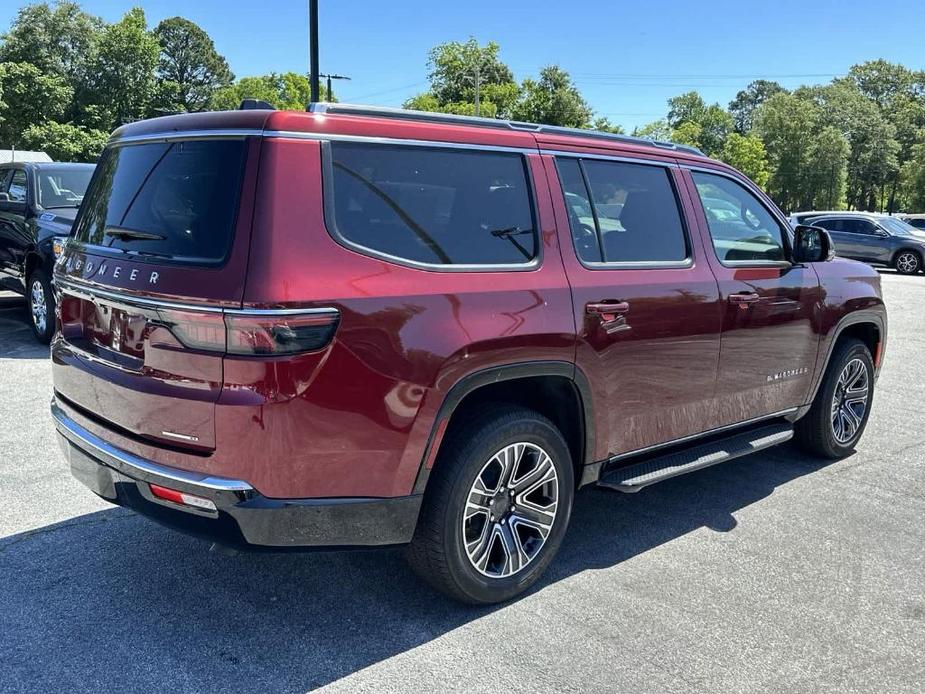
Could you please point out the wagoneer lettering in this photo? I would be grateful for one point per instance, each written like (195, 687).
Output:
(277, 330)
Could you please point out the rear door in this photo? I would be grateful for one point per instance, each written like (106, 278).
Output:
(160, 249)
(769, 342)
(646, 303)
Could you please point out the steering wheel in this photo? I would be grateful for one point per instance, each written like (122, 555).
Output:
(743, 210)
(585, 237)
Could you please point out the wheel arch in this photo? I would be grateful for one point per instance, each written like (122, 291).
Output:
(868, 326)
(907, 249)
(557, 389)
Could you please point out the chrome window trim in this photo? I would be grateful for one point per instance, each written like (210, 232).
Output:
(399, 141)
(610, 157)
(216, 134)
(108, 454)
(91, 291)
(340, 239)
(595, 266)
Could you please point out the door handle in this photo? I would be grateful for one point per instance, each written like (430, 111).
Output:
(608, 310)
(744, 299)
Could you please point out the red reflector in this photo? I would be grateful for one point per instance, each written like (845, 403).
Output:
(182, 498)
(878, 353)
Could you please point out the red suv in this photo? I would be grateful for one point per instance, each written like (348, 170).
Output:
(362, 327)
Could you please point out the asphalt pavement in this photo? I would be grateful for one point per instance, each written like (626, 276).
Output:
(776, 572)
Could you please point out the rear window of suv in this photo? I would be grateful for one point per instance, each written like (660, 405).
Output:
(168, 200)
(433, 206)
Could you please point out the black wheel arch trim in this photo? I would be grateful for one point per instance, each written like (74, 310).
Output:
(509, 372)
(876, 318)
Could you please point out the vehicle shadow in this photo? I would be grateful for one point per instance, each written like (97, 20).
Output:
(16, 339)
(110, 599)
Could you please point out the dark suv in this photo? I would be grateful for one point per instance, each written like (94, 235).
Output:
(38, 203)
(359, 327)
(878, 239)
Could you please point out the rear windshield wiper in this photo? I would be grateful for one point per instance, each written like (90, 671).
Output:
(132, 234)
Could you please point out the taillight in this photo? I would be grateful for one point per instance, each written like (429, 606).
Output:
(253, 332)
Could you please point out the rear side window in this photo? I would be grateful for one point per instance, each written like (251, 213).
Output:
(171, 200)
(630, 208)
(433, 206)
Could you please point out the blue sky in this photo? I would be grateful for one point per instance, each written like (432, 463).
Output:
(627, 58)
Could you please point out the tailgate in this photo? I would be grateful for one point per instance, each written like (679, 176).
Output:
(159, 250)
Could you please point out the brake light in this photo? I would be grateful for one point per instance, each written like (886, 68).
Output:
(253, 333)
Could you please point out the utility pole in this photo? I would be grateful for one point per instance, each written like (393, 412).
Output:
(313, 50)
(330, 94)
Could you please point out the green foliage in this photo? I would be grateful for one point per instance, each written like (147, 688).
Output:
(656, 130)
(122, 84)
(553, 99)
(748, 155)
(713, 124)
(65, 142)
(786, 125)
(289, 91)
(826, 170)
(604, 125)
(29, 96)
(742, 108)
(189, 67)
(913, 178)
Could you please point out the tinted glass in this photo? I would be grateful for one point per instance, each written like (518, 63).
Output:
(17, 189)
(637, 212)
(741, 228)
(59, 188)
(917, 223)
(858, 226)
(830, 224)
(179, 199)
(438, 206)
(898, 226)
(580, 214)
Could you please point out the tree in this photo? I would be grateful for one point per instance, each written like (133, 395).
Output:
(604, 125)
(786, 125)
(688, 133)
(656, 130)
(57, 40)
(65, 142)
(553, 99)
(688, 107)
(123, 84)
(742, 108)
(748, 155)
(189, 67)
(827, 170)
(913, 178)
(453, 69)
(29, 96)
(288, 91)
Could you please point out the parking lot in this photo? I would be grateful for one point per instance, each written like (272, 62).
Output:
(775, 572)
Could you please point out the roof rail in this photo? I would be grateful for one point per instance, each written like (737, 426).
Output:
(408, 114)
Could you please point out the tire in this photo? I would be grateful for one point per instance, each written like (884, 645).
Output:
(828, 430)
(907, 262)
(478, 452)
(40, 303)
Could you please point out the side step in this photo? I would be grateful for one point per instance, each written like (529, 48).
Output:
(634, 477)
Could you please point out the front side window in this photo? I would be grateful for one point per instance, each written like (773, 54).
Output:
(741, 227)
(630, 208)
(830, 224)
(59, 187)
(431, 206)
(17, 189)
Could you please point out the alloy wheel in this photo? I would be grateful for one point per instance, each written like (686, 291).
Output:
(907, 263)
(38, 305)
(849, 404)
(510, 510)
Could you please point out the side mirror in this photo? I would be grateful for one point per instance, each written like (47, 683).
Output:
(812, 244)
(4, 197)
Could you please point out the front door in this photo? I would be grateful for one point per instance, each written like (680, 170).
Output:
(769, 343)
(646, 303)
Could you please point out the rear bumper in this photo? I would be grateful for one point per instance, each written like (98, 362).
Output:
(243, 517)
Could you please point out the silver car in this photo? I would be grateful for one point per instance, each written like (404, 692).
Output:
(877, 239)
